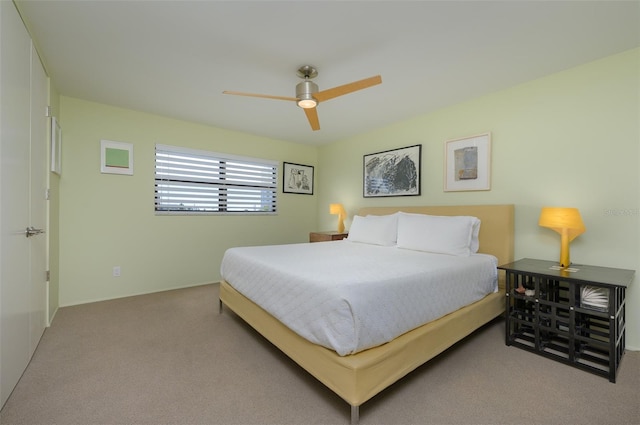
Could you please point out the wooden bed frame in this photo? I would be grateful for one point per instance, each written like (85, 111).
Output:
(357, 378)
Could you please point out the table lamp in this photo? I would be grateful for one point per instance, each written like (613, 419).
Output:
(342, 214)
(568, 223)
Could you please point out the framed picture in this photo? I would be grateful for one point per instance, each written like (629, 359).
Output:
(394, 172)
(468, 163)
(297, 178)
(56, 146)
(116, 157)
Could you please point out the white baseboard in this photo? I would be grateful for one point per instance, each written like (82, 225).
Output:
(96, 300)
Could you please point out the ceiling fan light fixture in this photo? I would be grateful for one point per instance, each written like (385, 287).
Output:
(307, 102)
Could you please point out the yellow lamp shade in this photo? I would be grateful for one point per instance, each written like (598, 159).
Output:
(342, 214)
(567, 222)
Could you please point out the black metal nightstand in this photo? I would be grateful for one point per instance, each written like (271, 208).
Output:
(574, 315)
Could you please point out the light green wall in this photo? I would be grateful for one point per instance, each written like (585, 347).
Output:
(570, 139)
(108, 220)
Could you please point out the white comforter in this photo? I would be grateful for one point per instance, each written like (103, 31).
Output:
(350, 296)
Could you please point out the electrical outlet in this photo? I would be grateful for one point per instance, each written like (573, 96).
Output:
(116, 271)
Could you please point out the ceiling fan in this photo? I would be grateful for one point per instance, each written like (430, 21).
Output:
(308, 96)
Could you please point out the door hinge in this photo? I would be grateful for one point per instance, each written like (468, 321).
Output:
(48, 275)
(47, 111)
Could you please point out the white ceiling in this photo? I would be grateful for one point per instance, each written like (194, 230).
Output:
(175, 58)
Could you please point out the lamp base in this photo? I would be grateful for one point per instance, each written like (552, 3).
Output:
(564, 249)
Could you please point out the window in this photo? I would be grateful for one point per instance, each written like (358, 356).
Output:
(200, 182)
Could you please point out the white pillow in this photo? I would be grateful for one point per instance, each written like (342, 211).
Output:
(440, 234)
(475, 241)
(374, 229)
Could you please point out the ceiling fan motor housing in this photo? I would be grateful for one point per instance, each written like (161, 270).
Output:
(306, 89)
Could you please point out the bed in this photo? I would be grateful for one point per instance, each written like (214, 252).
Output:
(360, 373)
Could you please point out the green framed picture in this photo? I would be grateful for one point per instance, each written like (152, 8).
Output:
(116, 157)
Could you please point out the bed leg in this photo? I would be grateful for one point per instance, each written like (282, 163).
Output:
(219, 306)
(355, 415)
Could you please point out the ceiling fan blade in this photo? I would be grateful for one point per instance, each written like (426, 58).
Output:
(312, 116)
(265, 96)
(324, 95)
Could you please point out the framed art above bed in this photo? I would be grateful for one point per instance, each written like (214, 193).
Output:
(395, 172)
(468, 163)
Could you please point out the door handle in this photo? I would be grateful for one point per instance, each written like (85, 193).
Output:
(32, 231)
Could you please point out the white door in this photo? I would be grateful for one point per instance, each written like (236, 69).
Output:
(20, 327)
(38, 200)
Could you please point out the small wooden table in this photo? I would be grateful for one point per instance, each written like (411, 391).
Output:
(327, 236)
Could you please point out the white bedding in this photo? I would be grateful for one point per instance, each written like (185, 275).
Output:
(350, 296)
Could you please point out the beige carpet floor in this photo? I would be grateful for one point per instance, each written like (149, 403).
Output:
(170, 358)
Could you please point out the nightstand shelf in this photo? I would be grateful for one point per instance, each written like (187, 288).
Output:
(574, 315)
(327, 236)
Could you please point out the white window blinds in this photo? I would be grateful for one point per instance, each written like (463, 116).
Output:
(199, 182)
